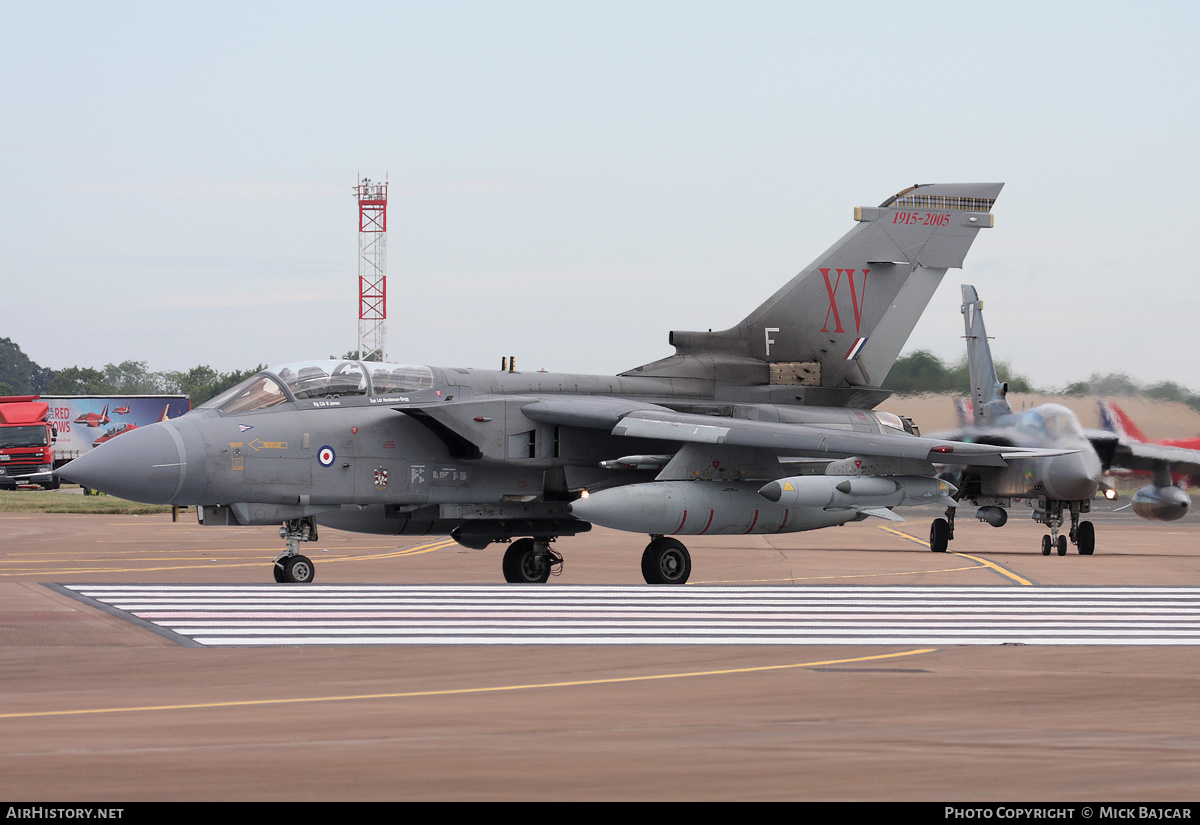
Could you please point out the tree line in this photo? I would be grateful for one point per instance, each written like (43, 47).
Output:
(917, 372)
(19, 375)
(922, 371)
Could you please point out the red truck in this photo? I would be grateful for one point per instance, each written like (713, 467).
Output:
(27, 436)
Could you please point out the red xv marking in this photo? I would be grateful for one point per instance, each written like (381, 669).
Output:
(856, 300)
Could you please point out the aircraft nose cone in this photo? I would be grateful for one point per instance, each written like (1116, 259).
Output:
(146, 464)
(1072, 478)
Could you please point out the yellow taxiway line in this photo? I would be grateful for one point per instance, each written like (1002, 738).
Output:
(464, 691)
(1008, 574)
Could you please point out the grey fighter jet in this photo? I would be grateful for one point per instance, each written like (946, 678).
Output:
(761, 428)
(1061, 485)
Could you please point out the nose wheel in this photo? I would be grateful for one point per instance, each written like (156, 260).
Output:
(1082, 533)
(291, 567)
(295, 570)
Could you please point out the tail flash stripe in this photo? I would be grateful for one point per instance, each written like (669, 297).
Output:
(856, 350)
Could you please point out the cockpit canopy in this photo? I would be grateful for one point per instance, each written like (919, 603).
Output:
(304, 380)
(1051, 422)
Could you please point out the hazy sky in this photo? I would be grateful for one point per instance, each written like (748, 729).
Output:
(570, 180)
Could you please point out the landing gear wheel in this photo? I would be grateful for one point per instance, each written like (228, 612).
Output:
(1046, 545)
(1086, 538)
(298, 570)
(522, 565)
(666, 561)
(277, 567)
(1062, 545)
(939, 535)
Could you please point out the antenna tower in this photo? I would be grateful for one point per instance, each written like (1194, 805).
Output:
(372, 270)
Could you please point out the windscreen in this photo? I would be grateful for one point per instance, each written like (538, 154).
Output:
(23, 437)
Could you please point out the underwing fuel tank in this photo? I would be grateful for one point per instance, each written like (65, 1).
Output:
(1166, 503)
(697, 508)
(857, 491)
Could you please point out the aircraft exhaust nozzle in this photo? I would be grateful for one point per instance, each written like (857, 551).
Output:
(856, 491)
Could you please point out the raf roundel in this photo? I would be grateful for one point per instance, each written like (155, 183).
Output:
(325, 456)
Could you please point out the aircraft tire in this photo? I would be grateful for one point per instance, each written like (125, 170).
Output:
(1046, 545)
(1086, 538)
(666, 561)
(523, 566)
(298, 570)
(277, 568)
(939, 535)
(1062, 545)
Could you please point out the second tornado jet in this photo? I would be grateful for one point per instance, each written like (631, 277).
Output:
(764, 427)
(1060, 487)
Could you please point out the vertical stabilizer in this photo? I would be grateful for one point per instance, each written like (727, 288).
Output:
(842, 320)
(1115, 420)
(987, 392)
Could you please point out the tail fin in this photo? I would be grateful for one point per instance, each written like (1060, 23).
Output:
(987, 393)
(842, 321)
(965, 412)
(1115, 420)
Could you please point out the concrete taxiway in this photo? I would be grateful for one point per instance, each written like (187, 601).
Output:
(98, 708)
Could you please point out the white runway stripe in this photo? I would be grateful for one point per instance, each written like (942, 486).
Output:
(219, 615)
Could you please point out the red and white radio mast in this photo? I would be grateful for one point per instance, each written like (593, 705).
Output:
(372, 270)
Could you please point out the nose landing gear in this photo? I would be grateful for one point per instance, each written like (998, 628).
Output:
(290, 566)
(1081, 533)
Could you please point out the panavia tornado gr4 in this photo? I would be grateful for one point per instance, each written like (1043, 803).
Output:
(765, 427)
(1061, 482)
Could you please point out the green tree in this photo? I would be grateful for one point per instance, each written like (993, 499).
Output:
(79, 381)
(18, 374)
(133, 378)
(920, 371)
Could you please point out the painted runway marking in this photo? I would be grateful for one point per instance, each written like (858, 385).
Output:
(282, 615)
(827, 664)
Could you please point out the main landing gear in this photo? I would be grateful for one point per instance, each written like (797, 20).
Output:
(530, 561)
(666, 561)
(290, 566)
(942, 531)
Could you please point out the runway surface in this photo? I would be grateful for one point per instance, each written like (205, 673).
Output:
(245, 615)
(97, 707)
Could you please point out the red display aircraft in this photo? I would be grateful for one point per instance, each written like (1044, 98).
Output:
(121, 429)
(1116, 420)
(94, 419)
